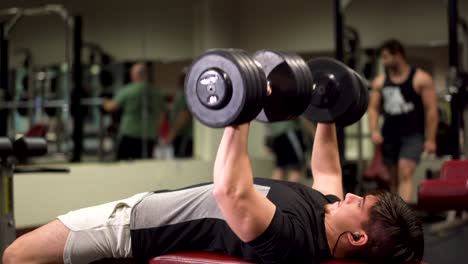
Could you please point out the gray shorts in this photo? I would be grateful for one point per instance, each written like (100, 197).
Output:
(405, 147)
(99, 232)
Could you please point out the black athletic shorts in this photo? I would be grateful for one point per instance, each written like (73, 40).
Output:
(183, 147)
(289, 150)
(405, 147)
(132, 148)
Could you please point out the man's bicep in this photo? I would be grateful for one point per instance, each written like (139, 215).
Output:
(375, 98)
(329, 185)
(248, 217)
(376, 92)
(427, 89)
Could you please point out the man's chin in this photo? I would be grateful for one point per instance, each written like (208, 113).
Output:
(330, 208)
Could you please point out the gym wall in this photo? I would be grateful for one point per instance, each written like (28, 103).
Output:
(173, 30)
(143, 29)
(421, 24)
(308, 26)
(181, 29)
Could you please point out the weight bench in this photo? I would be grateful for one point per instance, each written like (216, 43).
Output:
(10, 153)
(448, 193)
(211, 258)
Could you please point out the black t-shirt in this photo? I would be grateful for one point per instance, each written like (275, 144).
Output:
(190, 220)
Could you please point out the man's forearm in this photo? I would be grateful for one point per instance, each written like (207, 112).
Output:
(432, 119)
(232, 170)
(325, 156)
(110, 105)
(373, 120)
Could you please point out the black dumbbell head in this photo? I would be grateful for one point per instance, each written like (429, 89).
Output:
(334, 89)
(358, 108)
(223, 87)
(255, 96)
(288, 77)
(6, 148)
(25, 147)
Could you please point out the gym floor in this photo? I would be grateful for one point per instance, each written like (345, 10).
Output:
(450, 247)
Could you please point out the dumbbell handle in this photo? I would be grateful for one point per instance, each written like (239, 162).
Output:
(92, 101)
(268, 89)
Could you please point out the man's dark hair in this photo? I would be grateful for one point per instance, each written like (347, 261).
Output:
(395, 234)
(393, 46)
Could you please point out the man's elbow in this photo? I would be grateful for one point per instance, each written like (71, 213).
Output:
(230, 194)
(224, 192)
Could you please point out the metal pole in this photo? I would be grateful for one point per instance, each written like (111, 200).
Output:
(77, 90)
(145, 120)
(7, 221)
(455, 106)
(64, 139)
(3, 79)
(464, 27)
(339, 31)
(339, 55)
(453, 32)
(465, 131)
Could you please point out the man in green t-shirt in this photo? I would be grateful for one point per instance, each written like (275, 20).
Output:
(142, 111)
(181, 124)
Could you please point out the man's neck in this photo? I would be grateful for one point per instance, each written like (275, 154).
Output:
(332, 236)
(402, 70)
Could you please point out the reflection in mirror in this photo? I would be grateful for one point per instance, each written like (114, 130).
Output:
(40, 94)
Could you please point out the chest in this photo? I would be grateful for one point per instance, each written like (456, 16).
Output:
(407, 83)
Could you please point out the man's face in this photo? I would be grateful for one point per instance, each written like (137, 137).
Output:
(352, 211)
(138, 72)
(390, 61)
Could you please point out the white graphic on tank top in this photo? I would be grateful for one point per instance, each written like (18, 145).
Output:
(394, 102)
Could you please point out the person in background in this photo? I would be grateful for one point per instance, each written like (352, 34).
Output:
(286, 141)
(407, 99)
(137, 136)
(181, 123)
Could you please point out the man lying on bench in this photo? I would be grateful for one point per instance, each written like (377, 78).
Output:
(259, 220)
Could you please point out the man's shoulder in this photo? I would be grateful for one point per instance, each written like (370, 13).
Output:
(422, 79)
(127, 88)
(422, 75)
(378, 82)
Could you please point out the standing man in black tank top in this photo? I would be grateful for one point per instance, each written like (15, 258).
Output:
(406, 98)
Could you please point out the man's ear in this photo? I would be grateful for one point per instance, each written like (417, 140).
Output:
(358, 239)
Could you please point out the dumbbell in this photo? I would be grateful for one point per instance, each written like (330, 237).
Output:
(289, 81)
(229, 87)
(225, 87)
(339, 94)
